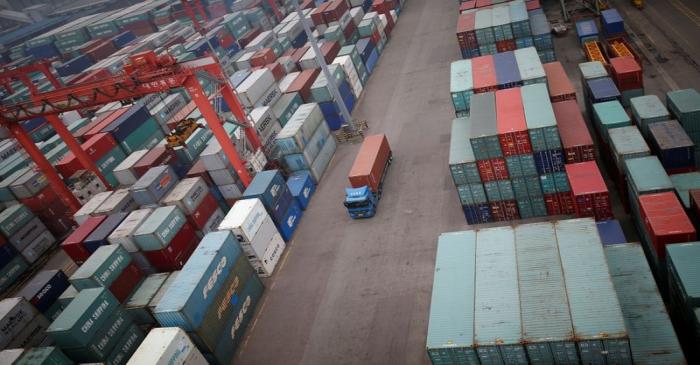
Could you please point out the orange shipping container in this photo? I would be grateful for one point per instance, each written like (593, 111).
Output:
(370, 163)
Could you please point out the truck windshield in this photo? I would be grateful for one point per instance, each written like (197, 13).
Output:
(361, 204)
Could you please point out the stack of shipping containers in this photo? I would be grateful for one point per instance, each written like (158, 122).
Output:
(174, 232)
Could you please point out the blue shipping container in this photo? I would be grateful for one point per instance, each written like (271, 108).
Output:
(301, 185)
(602, 89)
(7, 253)
(98, 237)
(587, 30)
(365, 46)
(128, 122)
(123, 39)
(267, 186)
(611, 22)
(187, 300)
(74, 66)
(507, 74)
(549, 161)
(290, 221)
(477, 213)
(372, 61)
(610, 232)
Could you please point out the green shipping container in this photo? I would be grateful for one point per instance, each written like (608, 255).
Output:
(461, 84)
(685, 106)
(11, 271)
(462, 162)
(101, 268)
(683, 183)
(646, 110)
(14, 218)
(137, 305)
(83, 318)
(105, 340)
(609, 115)
(194, 145)
(143, 137)
(126, 347)
(646, 175)
(6, 194)
(470, 194)
(285, 107)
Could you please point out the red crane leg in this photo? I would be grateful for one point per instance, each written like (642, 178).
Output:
(75, 147)
(237, 110)
(200, 99)
(44, 165)
(275, 10)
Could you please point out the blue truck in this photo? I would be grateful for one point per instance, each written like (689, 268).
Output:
(367, 177)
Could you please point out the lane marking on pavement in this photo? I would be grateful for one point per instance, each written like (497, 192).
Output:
(686, 11)
(635, 38)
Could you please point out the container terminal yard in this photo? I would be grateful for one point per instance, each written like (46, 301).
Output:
(180, 182)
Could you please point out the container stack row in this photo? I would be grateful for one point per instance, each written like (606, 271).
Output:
(523, 295)
(493, 72)
(507, 26)
(510, 161)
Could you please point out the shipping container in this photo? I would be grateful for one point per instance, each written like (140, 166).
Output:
(371, 162)
(573, 131)
(665, 222)
(673, 146)
(461, 84)
(627, 143)
(166, 346)
(159, 229)
(497, 316)
(601, 90)
(43, 291)
(558, 84)
(596, 314)
(683, 184)
(544, 306)
(608, 115)
(123, 234)
(450, 337)
(43, 355)
(99, 235)
(651, 334)
(137, 304)
(647, 110)
(610, 232)
(154, 185)
(484, 74)
(540, 118)
(627, 73)
(685, 107)
(510, 123)
(462, 161)
(589, 191)
(88, 209)
(73, 245)
(587, 30)
(483, 133)
(530, 66)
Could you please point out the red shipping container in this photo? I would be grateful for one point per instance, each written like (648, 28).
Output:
(307, 4)
(206, 208)
(559, 204)
(41, 200)
(128, 280)
(317, 14)
(371, 162)
(73, 244)
(298, 54)
(471, 4)
(590, 194)
(506, 45)
(484, 74)
(105, 121)
(510, 123)
(558, 83)
(262, 57)
(627, 73)
(483, 3)
(178, 251)
(330, 50)
(381, 6)
(249, 37)
(349, 29)
(376, 37)
(334, 11)
(57, 217)
(96, 147)
(276, 69)
(506, 210)
(566, 202)
(465, 31)
(532, 4)
(665, 221)
(155, 157)
(302, 84)
(493, 169)
(575, 138)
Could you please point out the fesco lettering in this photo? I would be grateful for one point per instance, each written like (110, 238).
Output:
(214, 277)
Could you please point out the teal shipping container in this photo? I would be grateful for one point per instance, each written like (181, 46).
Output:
(540, 119)
(521, 166)
(684, 288)
(78, 324)
(646, 110)
(102, 268)
(683, 183)
(462, 162)
(450, 337)
(627, 143)
(461, 84)
(685, 107)
(43, 356)
(14, 218)
(286, 106)
(137, 305)
(470, 194)
(194, 145)
(609, 115)
(105, 340)
(143, 137)
(126, 347)
(156, 232)
(652, 337)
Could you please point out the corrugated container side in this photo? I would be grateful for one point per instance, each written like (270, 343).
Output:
(450, 337)
(497, 321)
(595, 310)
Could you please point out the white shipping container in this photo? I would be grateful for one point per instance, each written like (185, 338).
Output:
(120, 201)
(264, 39)
(270, 96)
(124, 173)
(351, 73)
(15, 315)
(308, 60)
(87, 210)
(123, 234)
(167, 346)
(357, 13)
(226, 176)
(264, 121)
(266, 265)
(213, 156)
(257, 247)
(254, 87)
(287, 81)
(38, 246)
(243, 62)
(187, 194)
(244, 219)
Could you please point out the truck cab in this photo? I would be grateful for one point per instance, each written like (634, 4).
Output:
(360, 202)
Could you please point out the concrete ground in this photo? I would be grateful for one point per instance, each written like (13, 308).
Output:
(358, 292)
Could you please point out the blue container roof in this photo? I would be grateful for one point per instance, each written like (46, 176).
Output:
(603, 88)
(610, 232)
(506, 68)
(611, 16)
(586, 28)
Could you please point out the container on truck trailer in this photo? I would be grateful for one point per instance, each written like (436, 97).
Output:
(367, 176)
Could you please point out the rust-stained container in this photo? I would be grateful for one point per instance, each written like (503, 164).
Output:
(371, 162)
(575, 138)
(558, 83)
(591, 198)
(302, 84)
(510, 123)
